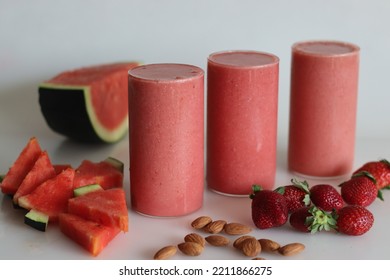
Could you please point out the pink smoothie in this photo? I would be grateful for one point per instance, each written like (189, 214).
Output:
(166, 122)
(324, 86)
(242, 90)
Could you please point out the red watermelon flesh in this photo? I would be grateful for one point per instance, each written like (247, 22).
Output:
(39, 173)
(61, 167)
(107, 207)
(101, 173)
(51, 197)
(21, 167)
(93, 236)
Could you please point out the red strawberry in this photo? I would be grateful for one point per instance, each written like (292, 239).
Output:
(297, 194)
(380, 170)
(269, 208)
(354, 220)
(326, 197)
(360, 189)
(312, 219)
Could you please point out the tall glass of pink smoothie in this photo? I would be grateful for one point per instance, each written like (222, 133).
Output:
(166, 131)
(242, 103)
(323, 104)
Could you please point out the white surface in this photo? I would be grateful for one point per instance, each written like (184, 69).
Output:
(42, 38)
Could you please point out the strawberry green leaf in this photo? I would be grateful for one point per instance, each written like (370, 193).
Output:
(307, 200)
(255, 189)
(320, 220)
(385, 161)
(303, 185)
(367, 174)
(380, 195)
(280, 190)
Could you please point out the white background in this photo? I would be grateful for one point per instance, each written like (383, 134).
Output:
(39, 39)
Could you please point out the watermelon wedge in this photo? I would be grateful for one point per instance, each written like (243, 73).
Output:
(106, 207)
(21, 167)
(88, 104)
(51, 197)
(39, 173)
(93, 236)
(103, 173)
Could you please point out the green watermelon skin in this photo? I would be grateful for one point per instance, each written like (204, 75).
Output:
(89, 104)
(21, 167)
(92, 236)
(39, 173)
(51, 197)
(106, 207)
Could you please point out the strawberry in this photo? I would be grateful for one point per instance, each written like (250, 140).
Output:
(380, 170)
(360, 189)
(354, 220)
(269, 208)
(297, 194)
(326, 197)
(311, 219)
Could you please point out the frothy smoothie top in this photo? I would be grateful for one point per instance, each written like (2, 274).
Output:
(166, 72)
(243, 58)
(325, 48)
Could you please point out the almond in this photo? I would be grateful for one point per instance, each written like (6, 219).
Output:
(194, 237)
(191, 248)
(251, 247)
(215, 227)
(291, 249)
(165, 253)
(237, 229)
(201, 222)
(268, 245)
(217, 240)
(238, 242)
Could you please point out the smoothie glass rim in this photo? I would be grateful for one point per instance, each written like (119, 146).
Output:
(353, 48)
(275, 59)
(180, 78)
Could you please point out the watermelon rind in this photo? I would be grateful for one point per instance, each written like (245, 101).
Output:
(37, 220)
(86, 189)
(80, 122)
(115, 163)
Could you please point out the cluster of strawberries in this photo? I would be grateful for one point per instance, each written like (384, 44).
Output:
(323, 207)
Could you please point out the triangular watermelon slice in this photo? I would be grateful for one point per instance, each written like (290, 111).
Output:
(93, 236)
(21, 167)
(106, 207)
(51, 197)
(103, 173)
(39, 173)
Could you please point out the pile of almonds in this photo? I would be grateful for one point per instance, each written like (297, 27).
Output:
(195, 243)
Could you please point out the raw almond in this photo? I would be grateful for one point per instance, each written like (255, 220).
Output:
(291, 249)
(238, 242)
(251, 247)
(217, 240)
(237, 229)
(165, 253)
(201, 222)
(268, 245)
(194, 237)
(191, 248)
(215, 227)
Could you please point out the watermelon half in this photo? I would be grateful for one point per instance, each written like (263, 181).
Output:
(88, 104)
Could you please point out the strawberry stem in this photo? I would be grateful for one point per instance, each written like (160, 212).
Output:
(255, 189)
